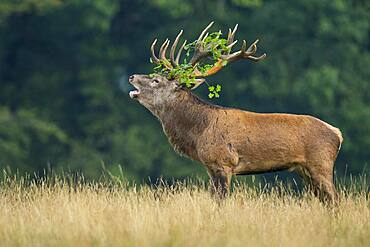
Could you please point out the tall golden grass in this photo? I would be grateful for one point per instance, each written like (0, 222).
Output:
(71, 212)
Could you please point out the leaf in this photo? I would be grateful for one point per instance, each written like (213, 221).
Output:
(211, 88)
(211, 95)
(218, 88)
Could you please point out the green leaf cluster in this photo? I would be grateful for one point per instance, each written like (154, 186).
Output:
(214, 91)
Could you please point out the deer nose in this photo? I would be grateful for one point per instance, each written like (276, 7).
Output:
(131, 78)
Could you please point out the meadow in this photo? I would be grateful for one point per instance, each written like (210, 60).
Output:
(67, 211)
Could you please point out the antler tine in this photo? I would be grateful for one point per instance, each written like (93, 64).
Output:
(153, 56)
(230, 37)
(163, 49)
(256, 59)
(173, 48)
(244, 46)
(204, 31)
(197, 83)
(179, 52)
(244, 53)
(235, 29)
(253, 47)
(204, 38)
(237, 54)
(231, 45)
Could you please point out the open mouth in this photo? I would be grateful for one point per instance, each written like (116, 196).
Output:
(134, 93)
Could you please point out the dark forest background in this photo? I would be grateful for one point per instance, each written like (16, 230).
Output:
(64, 67)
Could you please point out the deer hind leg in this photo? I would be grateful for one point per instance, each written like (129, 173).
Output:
(220, 179)
(322, 182)
(305, 175)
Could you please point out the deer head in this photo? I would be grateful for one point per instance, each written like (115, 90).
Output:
(154, 91)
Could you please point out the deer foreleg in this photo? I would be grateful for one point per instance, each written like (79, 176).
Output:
(220, 180)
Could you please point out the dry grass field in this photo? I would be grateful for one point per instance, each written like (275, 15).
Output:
(54, 213)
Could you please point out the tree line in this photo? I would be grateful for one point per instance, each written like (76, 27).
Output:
(64, 66)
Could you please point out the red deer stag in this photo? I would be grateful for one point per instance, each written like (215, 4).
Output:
(231, 141)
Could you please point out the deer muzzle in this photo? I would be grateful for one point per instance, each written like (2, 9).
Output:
(133, 93)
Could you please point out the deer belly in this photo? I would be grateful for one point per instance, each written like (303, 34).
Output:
(247, 167)
(268, 158)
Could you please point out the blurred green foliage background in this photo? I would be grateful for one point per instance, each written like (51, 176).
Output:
(64, 66)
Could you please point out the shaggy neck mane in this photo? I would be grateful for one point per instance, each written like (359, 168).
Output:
(183, 119)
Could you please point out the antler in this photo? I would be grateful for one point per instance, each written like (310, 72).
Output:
(202, 50)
